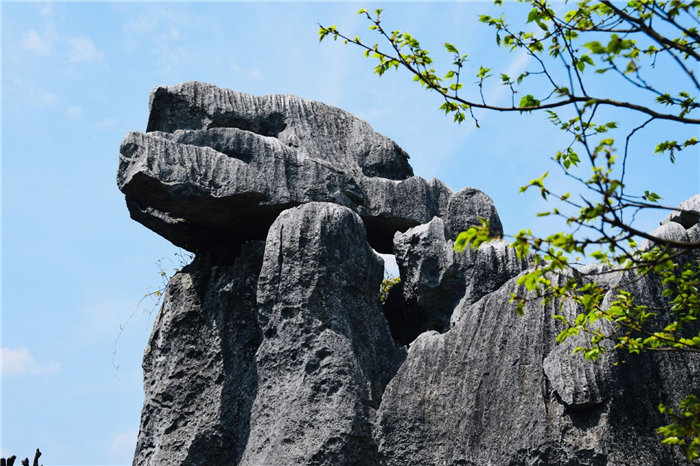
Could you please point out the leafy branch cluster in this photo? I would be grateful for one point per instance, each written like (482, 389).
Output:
(386, 286)
(593, 38)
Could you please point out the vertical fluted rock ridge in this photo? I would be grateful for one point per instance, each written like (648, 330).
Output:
(327, 352)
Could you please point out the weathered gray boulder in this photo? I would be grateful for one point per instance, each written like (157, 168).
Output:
(435, 278)
(327, 352)
(603, 275)
(688, 213)
(681, 226)
(199, 367)
(467, 208)
(671, 231)
(314, 129)
(218, 166)
(694, 234)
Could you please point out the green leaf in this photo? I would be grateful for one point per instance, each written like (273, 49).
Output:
(595, 47)
(651, 197)
(451, 48)
(483, 72)
(529, 101)
(533, 16)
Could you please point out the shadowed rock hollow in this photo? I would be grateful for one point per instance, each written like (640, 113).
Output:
(272, 347)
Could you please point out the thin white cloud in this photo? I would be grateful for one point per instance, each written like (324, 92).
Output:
(142, 24)
(172, 57)
(19, 361)
(83, 49)
(254, 73)
(45, 8)
(75, 112)
(30, 94)
(173, 33)
(123, 446)
(43, 98)
(375, 113)
(33, 42)
(498, 96)
(107, 123)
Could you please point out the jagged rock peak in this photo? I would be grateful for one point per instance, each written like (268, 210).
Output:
(278, 351)
(199, 368)
(496, 390)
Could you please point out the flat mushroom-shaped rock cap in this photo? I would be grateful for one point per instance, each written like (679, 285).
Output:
(316, 129)
(216, 167)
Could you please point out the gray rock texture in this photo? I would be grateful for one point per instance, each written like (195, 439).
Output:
(495, 390)
(681, 225)
(694, 234)
(435, 278)
(317, 130)
(688, 213)
(273, 349)
(327, 352)
(199, 366)
(467, 208)
(671, 231)
(218, 166)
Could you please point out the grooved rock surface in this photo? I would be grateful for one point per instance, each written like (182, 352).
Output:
(496, 390)
(199, 366)
(435, 278)
(467, 208)
(218, 166)
(317, 130)
(671, 231)
(327, 352)
(688, 213)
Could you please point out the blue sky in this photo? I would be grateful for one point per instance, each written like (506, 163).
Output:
(76, 77)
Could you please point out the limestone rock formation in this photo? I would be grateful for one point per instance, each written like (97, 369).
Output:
(688, 213)
(273, 348)
(496, 390)
(327, 353)
(317, 130)
(200, 373)
(435, 278)
(218, 166)
(669, 231)
(467, 208)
